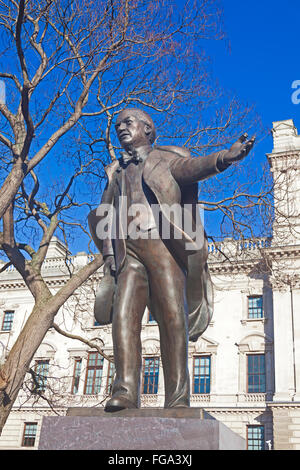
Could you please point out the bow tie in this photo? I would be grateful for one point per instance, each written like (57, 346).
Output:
(127, 158)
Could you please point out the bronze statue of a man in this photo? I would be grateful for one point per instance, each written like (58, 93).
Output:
(155, 271)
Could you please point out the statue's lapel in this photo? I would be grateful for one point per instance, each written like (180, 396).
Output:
(158, 177)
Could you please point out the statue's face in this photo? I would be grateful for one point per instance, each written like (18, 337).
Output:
(131, 131)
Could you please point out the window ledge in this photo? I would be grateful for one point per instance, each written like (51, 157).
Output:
(252, 397)
(247, 321)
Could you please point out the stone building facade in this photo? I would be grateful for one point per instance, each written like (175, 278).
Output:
(244, 370)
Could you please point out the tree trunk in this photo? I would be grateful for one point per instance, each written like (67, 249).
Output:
(17, 363)
(10, 187)
(16, 366)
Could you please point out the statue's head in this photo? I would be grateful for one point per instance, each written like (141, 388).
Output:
(135, 128)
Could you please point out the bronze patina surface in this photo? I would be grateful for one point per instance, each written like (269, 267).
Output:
(155, 271)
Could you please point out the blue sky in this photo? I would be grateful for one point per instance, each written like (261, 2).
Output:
(262, 60)
(258, 62)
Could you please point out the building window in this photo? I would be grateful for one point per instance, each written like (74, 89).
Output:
(8, 319)
(41, 374)
(96, 323)
(255, 306)
(29, 434)
(256, 373)
(76, 375)
(151, 319)
(150, 375)
(93, 374)
(110, 377)
(255, 438)
(201, 374)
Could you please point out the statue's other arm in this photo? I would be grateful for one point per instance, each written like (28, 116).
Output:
(93, 220)
(104, 246)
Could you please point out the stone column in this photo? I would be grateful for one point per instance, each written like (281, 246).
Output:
(295, 304)
(283, 345)
(285, 166)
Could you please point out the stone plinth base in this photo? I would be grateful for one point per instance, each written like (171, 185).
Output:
(143, 429)
(152, 412)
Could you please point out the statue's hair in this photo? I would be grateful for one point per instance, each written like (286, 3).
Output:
(144, 117)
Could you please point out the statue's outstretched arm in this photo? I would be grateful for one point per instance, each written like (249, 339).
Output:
(191, 170)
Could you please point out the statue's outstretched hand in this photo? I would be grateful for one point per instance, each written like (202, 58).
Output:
(239, 149)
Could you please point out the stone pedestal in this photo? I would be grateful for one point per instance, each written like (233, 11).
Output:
(143, 429)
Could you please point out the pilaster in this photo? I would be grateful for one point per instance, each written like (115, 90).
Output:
(283, 344)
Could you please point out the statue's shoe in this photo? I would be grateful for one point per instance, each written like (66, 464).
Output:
(179, 406)
(118, 403)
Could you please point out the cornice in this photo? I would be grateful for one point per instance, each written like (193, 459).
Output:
(283, 405)
(283, 154)
(12, 285)
(237, 266)
(235, 410)
(50, 281)
(284, 160)
(21, 285)
(246, 261)
(280, 251)
(234, 267)
(43, 410)
(285, 282)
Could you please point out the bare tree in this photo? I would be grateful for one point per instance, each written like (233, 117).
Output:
(69, 67)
